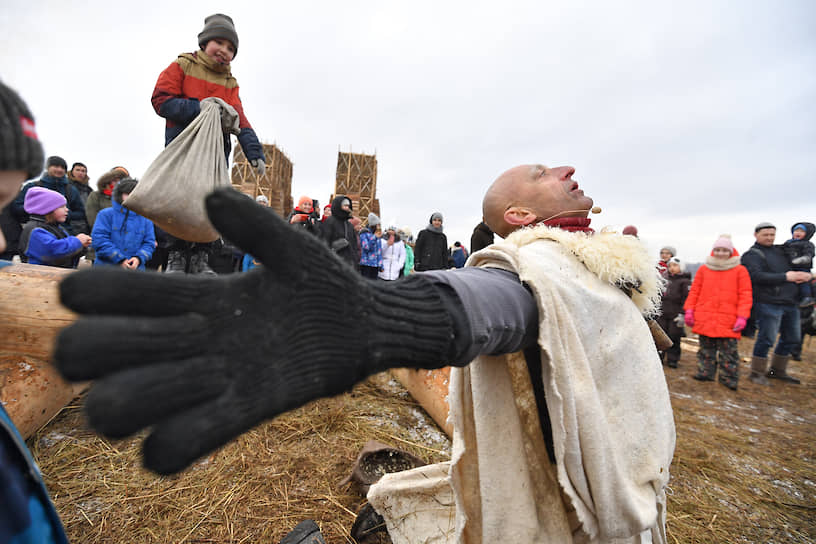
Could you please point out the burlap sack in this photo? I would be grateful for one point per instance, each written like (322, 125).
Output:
(171, 192)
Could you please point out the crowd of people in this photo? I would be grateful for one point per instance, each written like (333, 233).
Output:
(57, 220)
(766, 292)
(599, 460)
(96, 226)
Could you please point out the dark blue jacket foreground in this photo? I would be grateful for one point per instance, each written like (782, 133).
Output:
(27, 515)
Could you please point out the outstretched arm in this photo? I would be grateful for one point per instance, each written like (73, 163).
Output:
(202, 360)
(205, 359)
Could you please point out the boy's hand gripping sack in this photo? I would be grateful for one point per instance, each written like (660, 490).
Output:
(171, 192)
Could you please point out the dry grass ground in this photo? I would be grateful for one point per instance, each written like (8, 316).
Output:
(743, 470)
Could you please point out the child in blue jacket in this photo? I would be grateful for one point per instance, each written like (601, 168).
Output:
(121, 237)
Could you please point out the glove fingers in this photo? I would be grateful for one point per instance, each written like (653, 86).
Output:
(263, 234)
(176, 443)
(115, 291)
(126, 402)
(100, 345)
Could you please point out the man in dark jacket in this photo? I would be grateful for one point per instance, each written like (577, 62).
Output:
(78, 176)
(55, 180)
(775, 305)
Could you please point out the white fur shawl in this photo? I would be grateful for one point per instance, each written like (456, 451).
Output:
(616, 259)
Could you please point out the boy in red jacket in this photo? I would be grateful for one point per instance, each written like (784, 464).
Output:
(191, 78)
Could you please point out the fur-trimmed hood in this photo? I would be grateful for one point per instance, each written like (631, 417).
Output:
(108, 177)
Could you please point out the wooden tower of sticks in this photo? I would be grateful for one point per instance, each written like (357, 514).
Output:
(357, 179)
(276, 184)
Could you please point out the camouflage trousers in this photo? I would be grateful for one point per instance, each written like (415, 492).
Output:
(722, 351)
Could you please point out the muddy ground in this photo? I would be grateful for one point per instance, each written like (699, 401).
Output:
(743, 469)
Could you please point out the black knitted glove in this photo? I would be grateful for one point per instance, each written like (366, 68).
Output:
(204, 359)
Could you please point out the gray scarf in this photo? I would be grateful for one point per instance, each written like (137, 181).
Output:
(430, 227)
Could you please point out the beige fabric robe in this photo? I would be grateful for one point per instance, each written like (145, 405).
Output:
(608, 402)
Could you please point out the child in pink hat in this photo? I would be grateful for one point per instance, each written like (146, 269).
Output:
(44, 240)
(717, 308)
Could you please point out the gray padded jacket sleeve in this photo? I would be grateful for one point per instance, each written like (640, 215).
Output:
(498, 313)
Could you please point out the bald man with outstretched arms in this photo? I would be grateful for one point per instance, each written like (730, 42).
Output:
(562, 423)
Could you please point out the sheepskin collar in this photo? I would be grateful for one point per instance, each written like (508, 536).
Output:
(621, 261)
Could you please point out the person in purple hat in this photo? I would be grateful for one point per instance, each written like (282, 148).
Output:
(56, 180)
(44, 240)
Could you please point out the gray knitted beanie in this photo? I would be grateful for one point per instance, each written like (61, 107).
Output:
(218, 25)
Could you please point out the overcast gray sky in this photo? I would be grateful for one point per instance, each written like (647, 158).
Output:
(687, 119)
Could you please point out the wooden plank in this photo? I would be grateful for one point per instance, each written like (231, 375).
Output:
(430, 389)
(31, 389)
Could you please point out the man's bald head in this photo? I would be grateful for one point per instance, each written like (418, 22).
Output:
(531, 193)
(503, 194)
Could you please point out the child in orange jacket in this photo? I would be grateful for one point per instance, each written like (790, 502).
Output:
(189, 79)
(717, 308)
(195, 76)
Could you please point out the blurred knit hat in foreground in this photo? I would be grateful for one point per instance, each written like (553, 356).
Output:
(20, 149)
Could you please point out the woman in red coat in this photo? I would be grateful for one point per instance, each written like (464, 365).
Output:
(717, 309)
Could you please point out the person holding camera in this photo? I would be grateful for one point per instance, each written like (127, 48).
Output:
(302, 216)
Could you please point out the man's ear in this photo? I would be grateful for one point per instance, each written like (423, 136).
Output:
(519, 217)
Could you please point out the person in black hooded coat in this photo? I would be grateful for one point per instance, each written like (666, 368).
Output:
(339, 233)
(431, 249)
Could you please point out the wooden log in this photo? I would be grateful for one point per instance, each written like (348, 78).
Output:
(31, 390)
(430, 389)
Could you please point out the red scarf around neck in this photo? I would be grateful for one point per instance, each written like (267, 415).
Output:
(571, 224)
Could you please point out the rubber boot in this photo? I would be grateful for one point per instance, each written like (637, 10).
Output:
(367, 523)
(306, 532)
(176, 263)
(779, 367)
(758, 366)
(199, 264)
